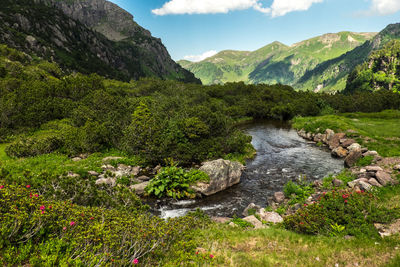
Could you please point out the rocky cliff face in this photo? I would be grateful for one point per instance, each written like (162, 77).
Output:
(87, 36)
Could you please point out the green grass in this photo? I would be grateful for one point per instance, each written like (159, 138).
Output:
(3, 155)
(376, 131)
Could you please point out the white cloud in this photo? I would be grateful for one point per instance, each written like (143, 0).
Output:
(278, 7)
(384, 7)
(197, 58)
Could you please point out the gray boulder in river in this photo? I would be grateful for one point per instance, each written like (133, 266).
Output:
(223, 174)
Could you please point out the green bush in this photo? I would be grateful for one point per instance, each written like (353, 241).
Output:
(356, 212)
(242, 223)
(34, 231)
(298, 192)
(175, 182)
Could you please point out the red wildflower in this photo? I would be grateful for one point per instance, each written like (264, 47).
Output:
(28, 186)
(345, 201)
(135, 261)
(197, 253)
(72, 223)
(211, 256)
(36, 195)
(92, 218)
(1, 186)
(42, 207)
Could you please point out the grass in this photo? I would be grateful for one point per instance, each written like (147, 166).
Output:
(278, 247)
(3, 155)
(377, 131)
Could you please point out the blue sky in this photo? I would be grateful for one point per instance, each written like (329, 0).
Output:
(194, 27)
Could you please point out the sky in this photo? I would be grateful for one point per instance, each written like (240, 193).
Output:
(195, 29)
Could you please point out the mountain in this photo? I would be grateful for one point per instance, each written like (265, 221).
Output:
(332, 75)
(87, 36)
(380, 72)
(276, 62)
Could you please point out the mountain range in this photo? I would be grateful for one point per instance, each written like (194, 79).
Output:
(88, 36)
(319, 64)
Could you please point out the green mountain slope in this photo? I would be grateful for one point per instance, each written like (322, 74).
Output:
(331, 75)
(87, 36)
(380, 71)
(275, 63)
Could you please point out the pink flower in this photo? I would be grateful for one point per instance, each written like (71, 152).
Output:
(1, 186)
(135, 261)
(92, 218)
(305, 205)
(42, 207)
(30, 195)
(28, 186)
(345, 201)
(42, 211)
(72, 223)
(36, 195)
(50, 207)
(64, 228)
(211, 256)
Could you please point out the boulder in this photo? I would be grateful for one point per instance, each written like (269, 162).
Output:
(76, 159)
(108, 167)
(279, 197)
(339, 152)
(346, 142)
(337, 182)
(93, 173)
(396, 168)
(389, 229)
(232, 224)
(223, 174)
(329, 134)
(144, 178)
(318, 137)
(139, 188)
(251, 206)
(373, 168)
(374, 182)
(335, 140)
(302, 133)
(106, 181)
(271, 217)
(254, 221)
(73, 175)
(384, 178)
(365, 186)
(108, 159)
(354, 147)
(220, 219)
(136, 170)
(352, 158)
(370, 153)
(317, 184)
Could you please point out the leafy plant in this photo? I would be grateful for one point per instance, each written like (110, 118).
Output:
(242, 223)
(298, 192)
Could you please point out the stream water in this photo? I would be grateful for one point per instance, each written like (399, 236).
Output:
(281, 156)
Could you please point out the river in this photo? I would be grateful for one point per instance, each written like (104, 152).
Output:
(281, 156)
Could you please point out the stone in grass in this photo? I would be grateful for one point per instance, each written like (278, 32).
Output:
(373, 168)
(370, 153)
(252, 208)
(374, 182)
(384, 178)
(254, 221)
(93, 173)
(106, 181)
(339, 152)
(143, 178)
(352, 158)
(355, 147)
(221, 219)
(271, 217)
(365, 186)
(139, 188)
(337, 182)
(334, 142)
(396, 168)
(279, 197)
(76, 159)
(389, 229)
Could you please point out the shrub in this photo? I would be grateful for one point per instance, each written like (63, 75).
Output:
(175, 182)
(356, 212)
(34, 231)
(242, 223)
(298, 192)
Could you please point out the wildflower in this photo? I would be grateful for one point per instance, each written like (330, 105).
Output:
(36, 195)
(301, 223)
(211, 256)
(50, 207)
(1, 186)
(30, 195)
(135, 261)
(42, 207)
(64, 228)
(72, 223)
(42, 211)
(28, 186)
(92, 218)
(345, 201)
(305, 205)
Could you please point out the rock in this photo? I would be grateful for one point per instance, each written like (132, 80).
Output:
(373, 168)
(108, 167)
(384, 178)
(73, 175)
(357, 189)
(370, 153)
(232, 224)
(271, 217)
(356, 182)
(106, 181)
(221, 219)
(143, 178)
(108, 159)
(335, 140)
(352, 158)
(362, 170)
(388, 230)
(251, 206)
(374, 182)
(339, 152)
(376, 159)
(346, 142)
(337, 182)
(364, 150)
(396, 168)
(31, 40)
(254, 221)
(136, 170)
(223, 174)
(354, 147)
(352, 184)
(318, 137)
(317, 184)
(365, 186)
(329, 134)
(76, 159)
(156, 169)
(279, 197)
(93, 173)
(139, 188)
